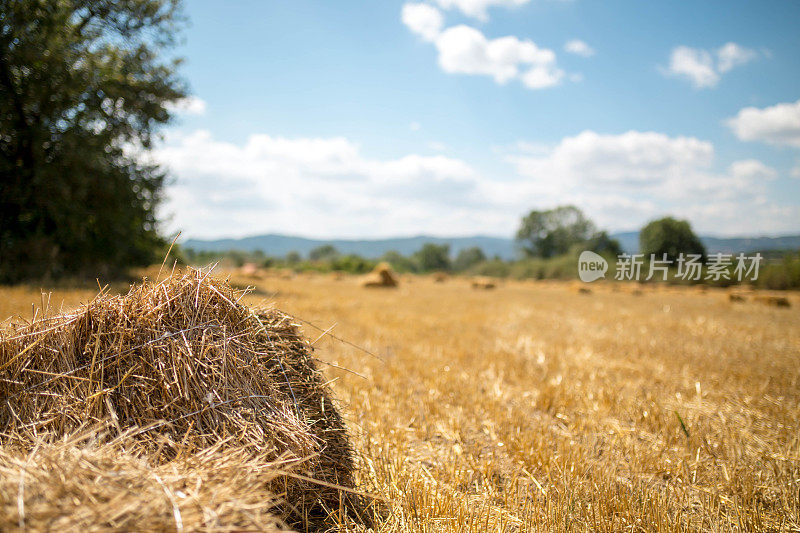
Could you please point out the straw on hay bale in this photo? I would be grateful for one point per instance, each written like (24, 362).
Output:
(191, 367)
(79, 486)
(381, 276)
(483, 282)
(775, 301)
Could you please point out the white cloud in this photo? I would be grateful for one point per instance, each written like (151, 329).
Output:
(732, 55)
(422, 19)
(576, 46)
(312, 186)
(624, 180)
(414, 126)
(328, 187)
(795, 172)
(703, 68)
(752, 169)
(478, 8)
(465, 50)
(778, 124)
(697, 65)
(191, 105)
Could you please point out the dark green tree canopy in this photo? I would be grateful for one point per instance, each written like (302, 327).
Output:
(84, 87)
(601, 243)
(669, 236)
(468, 257)
(553, 232)
(324, 252)
(433, 257)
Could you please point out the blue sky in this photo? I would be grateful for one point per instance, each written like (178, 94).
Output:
(455, 117)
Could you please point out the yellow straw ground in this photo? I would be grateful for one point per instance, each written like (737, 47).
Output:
(536, 408)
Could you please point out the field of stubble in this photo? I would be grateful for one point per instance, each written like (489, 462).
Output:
(535, 408)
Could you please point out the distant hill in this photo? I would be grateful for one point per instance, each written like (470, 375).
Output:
(279, 245)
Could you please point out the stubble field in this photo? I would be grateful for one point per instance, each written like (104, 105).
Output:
(533, 407)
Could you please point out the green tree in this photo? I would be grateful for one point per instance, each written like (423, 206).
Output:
(433, 257)
(324, 252)
(399, 262)
(293, 257)
(468, 257)
(669, 236)
(553, 232)
(601, 243)
(84, 86)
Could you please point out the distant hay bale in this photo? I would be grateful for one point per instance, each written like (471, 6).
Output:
(192, 368)
(772, 300)
(736, 297)
(337, 275)
(483, 282)
(250, 270)
(381, 276)
(439, 277)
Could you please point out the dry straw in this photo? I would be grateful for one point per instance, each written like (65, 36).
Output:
(189, 366)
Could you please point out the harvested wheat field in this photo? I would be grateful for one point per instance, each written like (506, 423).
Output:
(527, 408)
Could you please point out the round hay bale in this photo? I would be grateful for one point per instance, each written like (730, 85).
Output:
(381, 276)
(772, 300)
(736, 297)
(439, 277)
(483, 283)
(250, 270)
(192, 368)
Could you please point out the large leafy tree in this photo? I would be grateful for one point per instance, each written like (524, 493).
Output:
(433, 257)
(84, 86)
(669, 236)
(554, 231)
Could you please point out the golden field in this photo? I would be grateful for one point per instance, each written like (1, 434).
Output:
(534, 407)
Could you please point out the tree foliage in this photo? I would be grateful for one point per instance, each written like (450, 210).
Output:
(601, 243)
(433, 257)
(468, 257)
(83, 90)
(323, 252)
(669, 236)
(554, 231)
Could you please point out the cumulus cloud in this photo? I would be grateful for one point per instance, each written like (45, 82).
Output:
(466, 50)
(623, 180)
(578, 47)
(732, 55)
(752, 170)
(310, 186)
(328, 187)
(423, 19)
(478, 8)
(778, 124)
(191, 105)
(704, 68)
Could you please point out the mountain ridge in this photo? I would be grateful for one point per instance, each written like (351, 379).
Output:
(276, 244)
